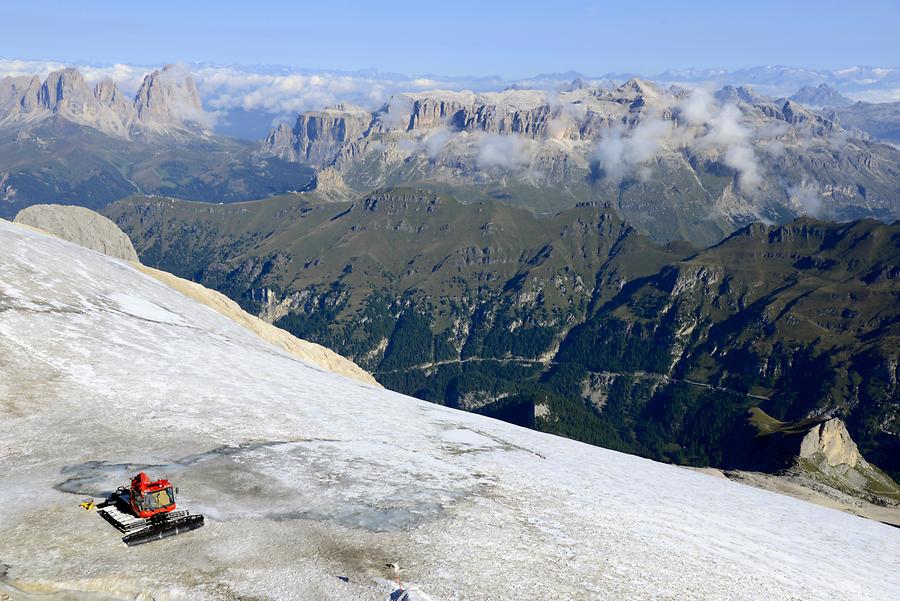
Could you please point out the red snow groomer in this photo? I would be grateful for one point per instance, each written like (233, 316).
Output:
(146, 511)
(148, 499)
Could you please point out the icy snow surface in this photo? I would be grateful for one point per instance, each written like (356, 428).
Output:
(311, 482)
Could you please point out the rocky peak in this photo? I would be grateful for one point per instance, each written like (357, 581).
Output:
(67, 94)
(108, 94)
(66, 85)
(820, 96)
(168, 99)
(737, 94)
(19, 95)
(830, 441)
(168, 102)
(106, 91)
(638, 87)
(576, 84)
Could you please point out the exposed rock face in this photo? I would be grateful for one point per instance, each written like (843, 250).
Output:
(318, 136)
(80, 226)
(166, 103)
(879, 119)
(168, 99)
(829, 458)
(109, 95)
(19, 95)
(831, 440)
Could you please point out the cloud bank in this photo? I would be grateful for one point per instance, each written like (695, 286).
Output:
(696, 122)
(806, 199)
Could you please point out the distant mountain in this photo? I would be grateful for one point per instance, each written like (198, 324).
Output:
(575, 323)
(781, 80)
(167, 103)
(880, 120)
(678, 164)
(820, 96)
(66, 142)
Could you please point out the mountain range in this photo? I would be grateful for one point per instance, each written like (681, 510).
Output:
(479, 249)
(820, 96)
(167, 103)
(676, 163)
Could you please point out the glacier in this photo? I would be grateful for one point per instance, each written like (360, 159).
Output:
(312, 482)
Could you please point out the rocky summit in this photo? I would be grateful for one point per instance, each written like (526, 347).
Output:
(820, 96)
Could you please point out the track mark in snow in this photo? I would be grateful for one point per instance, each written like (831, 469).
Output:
(144, 309)
(469, 438)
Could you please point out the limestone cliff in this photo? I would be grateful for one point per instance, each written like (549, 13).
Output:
(318, 136)
(819, 454)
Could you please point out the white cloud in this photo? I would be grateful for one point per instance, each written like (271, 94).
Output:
(619, 154)
(127, 77)
(398, 113)
(714, 126)
(741, 158)
(701, 124)
(435, 143)
(697, 107)
(806, 199)
(505, 152)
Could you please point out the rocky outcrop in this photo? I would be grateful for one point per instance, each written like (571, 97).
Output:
(80, 226)
(829, 460)
(832, 442)
(819, 456)
(167, 103)
(18, 95)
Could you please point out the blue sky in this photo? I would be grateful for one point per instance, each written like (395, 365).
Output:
(460, 37)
